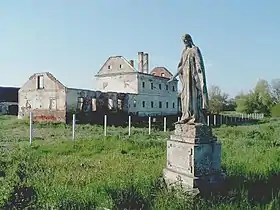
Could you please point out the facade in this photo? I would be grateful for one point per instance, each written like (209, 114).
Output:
(148, 94)
(9, 100)
(50, 100)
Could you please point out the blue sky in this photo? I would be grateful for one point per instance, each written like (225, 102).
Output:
(239, 40)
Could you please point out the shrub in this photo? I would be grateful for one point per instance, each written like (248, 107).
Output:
(275, 110)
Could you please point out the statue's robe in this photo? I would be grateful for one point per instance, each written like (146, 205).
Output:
(194, 95)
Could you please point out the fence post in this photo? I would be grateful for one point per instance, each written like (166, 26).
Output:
(208, 120)
(129, 125)
(105, 125)
(164, 124)
(215, 120)
(149, 125)
(73, 126)
(30, 127)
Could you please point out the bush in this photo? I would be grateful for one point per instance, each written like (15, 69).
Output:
(275, 110)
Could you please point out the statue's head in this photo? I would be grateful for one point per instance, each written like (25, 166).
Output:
(187, 39)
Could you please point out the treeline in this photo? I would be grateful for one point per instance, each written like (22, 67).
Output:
(263, 98)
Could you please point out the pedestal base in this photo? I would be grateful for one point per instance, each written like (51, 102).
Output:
(190, 184)
(193, 159)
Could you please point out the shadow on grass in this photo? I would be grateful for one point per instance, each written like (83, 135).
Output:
(237, 188)
(21, 197)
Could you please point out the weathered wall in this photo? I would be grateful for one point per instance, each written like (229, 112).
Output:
(116, 75)
(47, 104)
(73, 103)
(161, 72)
(116, 64)
(10, 108)
(123, 83)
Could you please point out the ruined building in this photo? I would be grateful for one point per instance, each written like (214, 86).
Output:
(149, 93)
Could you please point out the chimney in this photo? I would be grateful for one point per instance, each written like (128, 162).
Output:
(146, 63)
(131, 63)
(140, 61)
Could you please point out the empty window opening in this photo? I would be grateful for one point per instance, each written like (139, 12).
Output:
(166, 87)
(166, 104)
(121, 66)
(109, 67)
(173, 88)
(40, 82)
(152, 104)
(80, 103)
(160, 105)
(159, 86)
(52, 104)
(152, 85)
(143, 103)
(173, 105)
(143, 84)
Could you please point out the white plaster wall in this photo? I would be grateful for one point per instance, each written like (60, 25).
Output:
(148, 110)
(157, 81)
(122, 83)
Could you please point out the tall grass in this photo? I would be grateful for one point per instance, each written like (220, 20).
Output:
(121, 172)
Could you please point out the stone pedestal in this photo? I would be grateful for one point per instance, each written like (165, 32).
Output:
(193, 158)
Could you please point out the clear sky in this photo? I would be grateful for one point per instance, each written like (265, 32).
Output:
(239, 39)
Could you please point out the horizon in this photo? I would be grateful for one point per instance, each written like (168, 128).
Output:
(72, 40)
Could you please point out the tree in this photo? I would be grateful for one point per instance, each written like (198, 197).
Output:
(217, 99)
(258, 100)
(275, 90)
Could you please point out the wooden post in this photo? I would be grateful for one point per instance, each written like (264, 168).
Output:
(129, 125)
(150, 125)
(105, 125)
(30, 127)
(73, 126)
(215, 120)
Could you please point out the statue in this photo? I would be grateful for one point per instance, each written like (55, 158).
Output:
(194, 95)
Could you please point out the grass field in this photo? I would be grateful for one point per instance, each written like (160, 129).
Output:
(121, 172)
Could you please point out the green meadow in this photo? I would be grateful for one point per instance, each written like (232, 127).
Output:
(122, 172)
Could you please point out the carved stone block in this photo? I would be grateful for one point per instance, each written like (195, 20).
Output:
(194, 155)
(194, 159)
(193, 131)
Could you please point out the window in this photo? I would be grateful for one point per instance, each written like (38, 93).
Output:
(160, 105)
(162, 74)
(121, 66)
(109, 67)
(52, 104)
(152, 104)
(166, 87)
(159, 86)
(143, 103)
(173, 105)
(40, 82)
(173, 88)
(80, 103)
(134, 103)
(143, 84)
(166, 104)
(93, 104)
(152, 85)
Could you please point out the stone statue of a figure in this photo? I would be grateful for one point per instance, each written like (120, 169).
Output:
(194, 95)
